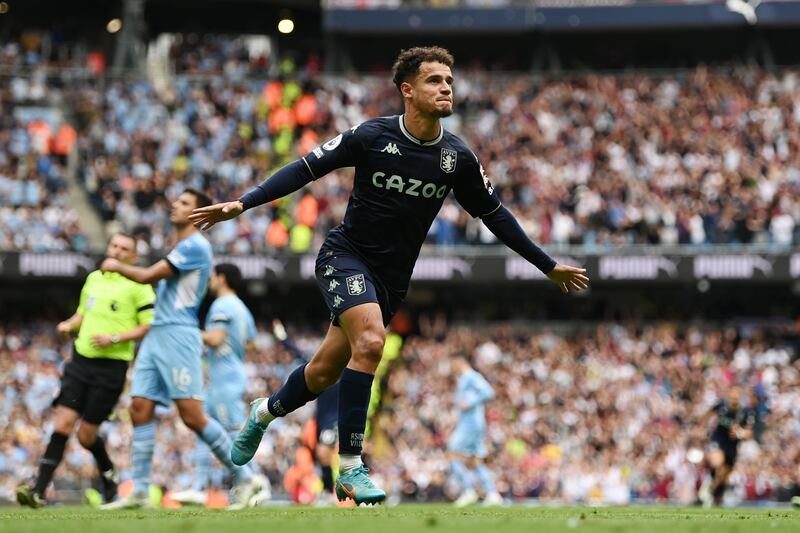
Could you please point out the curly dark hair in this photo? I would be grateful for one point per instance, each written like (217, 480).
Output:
(406, 67)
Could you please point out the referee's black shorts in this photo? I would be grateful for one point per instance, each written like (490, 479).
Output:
(91, 386)
(344, 281)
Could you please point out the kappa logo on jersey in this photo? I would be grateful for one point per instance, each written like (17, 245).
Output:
(448, 160)
(391, 148)
(356, 285)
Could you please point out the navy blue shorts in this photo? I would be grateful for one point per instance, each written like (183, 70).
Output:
(345, 281)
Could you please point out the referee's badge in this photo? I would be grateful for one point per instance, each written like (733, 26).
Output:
(448, 160)
(90, 303)
(356, 285)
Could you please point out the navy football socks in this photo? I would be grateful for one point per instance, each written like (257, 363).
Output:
(293, 395)
(354, 393)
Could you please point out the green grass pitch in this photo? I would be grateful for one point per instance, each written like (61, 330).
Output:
(403, 519)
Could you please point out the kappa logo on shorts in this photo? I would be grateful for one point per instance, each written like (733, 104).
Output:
(329, 270)
(332, 285)
(337, 300)
(356, 285)
(448, 160)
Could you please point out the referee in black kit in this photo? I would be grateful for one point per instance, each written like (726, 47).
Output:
(113, 313)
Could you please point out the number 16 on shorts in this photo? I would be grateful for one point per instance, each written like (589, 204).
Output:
(181, 378)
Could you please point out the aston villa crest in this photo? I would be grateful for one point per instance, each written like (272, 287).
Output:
(356, 285)
(448, 161)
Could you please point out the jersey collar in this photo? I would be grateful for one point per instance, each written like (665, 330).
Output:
(419, 141)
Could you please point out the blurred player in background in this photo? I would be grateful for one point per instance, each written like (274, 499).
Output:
(735, 423)
(113, 312)
(230, 331)
(169, 364)
(325, 419)
(405, 166)
(467, 445)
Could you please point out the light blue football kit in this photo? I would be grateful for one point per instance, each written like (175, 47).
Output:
(226, 372)
(227, 379)
(468, 438)
(169, 364)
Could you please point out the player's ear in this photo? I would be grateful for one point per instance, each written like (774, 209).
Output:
(406, 89)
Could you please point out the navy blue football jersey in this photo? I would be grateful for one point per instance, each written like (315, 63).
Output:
(400, 185)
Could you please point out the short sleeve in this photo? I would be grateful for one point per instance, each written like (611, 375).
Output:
(217, 317)
(187, 256)
(251, 328)
(84, 299)
(473, 189)
(144, 300)
(344, 150)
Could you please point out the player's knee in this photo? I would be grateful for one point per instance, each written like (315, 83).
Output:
(141, 411)
(63, 426)
(369, 346)
(196, 421)
(321, 375)
(86, 436)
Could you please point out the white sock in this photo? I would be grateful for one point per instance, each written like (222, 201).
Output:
(263, 416)
(349, 462)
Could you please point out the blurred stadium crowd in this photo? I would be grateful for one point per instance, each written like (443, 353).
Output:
(690, 157)
(605, 413)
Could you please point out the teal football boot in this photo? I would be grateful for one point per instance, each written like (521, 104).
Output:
(356, 485)
(249, 438)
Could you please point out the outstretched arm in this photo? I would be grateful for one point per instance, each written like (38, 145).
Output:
(503, 224)
(287, 180)
(151, 274)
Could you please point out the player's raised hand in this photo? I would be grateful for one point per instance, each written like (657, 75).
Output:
(205, 217)
(569, 277)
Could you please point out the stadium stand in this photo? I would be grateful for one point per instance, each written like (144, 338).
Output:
(587, 160)
(593, 160)
(35, 142)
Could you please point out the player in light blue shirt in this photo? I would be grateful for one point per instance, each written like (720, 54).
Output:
(229, 330)
(467, 447)
(169, 364)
